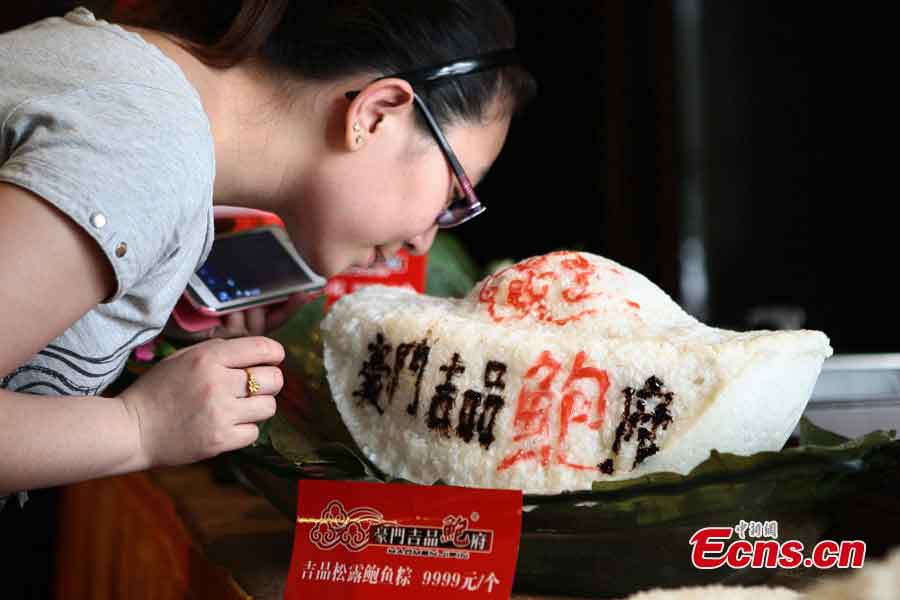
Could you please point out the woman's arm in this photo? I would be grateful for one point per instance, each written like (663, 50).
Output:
(189, 407)
(51, 274)
(54, 440)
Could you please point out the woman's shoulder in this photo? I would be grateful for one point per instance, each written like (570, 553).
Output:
(126, 153)
(86, 75)
(78, 51)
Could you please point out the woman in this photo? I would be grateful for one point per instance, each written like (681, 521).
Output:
(355, 121)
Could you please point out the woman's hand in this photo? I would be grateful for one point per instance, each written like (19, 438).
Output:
(195, 404)
(262, 319)
(259, 320)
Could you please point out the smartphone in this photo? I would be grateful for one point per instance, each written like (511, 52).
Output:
(247, 268)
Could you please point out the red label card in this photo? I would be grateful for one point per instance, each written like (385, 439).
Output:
(403, 541)
(402, 270)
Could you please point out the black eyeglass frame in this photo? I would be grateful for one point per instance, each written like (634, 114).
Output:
(467, 208)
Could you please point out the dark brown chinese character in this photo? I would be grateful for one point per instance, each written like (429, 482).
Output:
(467, 415)
(641, 420)
(492, 406)
(493, 381)
(470, 420)
(373, 371)
(417, 365)
(400, 356)
(445, 397)
(493, 375)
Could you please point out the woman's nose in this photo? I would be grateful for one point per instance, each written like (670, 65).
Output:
(421, 243)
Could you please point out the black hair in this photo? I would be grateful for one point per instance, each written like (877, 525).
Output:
(329, 39)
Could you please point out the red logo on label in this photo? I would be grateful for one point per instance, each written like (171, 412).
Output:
(455, 531)
(338, 527)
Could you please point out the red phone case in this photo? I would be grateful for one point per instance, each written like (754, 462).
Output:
(190, 319)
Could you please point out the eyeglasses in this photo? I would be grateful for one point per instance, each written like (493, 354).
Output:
(468, 207)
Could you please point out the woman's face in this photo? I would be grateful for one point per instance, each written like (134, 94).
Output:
(361, 204)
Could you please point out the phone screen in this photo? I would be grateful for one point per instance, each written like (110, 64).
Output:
(246, 266)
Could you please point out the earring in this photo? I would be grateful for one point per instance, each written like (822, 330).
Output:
(356, 127)
(359, 140)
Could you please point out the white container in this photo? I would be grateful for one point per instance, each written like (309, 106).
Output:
(856, 394)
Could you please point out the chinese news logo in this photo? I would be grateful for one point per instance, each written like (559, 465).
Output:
(756, 545)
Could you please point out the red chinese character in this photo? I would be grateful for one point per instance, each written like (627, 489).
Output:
(528, 289)
(583, 270)
(580, 405)
(454, 530)
(523, 294)
(532, 418)
(524, 290)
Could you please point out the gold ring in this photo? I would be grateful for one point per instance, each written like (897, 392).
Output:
(252, 383)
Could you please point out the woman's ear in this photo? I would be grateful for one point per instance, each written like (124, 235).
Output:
(381, 106)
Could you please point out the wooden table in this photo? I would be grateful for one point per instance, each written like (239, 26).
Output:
(173, 533)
